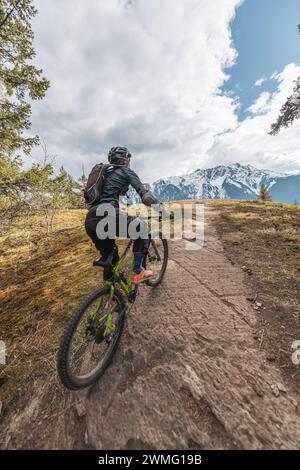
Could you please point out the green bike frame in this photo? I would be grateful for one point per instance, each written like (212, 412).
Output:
(126, 287)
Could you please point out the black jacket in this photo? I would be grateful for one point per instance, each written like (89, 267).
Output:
(117, 184)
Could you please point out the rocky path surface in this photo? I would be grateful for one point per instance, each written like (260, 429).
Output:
(189, 373)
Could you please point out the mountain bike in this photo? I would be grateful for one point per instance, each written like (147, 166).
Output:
(94, 330)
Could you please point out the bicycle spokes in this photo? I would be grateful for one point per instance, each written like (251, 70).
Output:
(155, 256)
(93, 336)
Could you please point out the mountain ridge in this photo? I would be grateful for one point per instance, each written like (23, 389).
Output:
(234, 181)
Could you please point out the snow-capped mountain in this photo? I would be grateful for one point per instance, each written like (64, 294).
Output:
(234, 181)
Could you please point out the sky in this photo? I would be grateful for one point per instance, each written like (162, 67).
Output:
(264, 31)
(184, 84)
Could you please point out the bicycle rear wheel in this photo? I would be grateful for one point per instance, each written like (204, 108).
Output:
(88, 345)
(156, 258)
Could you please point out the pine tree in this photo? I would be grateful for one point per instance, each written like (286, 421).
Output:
(20, 80)
(264, 194)
(290, 111)
(66, 191)
(83, 178)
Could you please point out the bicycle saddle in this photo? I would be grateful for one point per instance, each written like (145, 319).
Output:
(106, 262)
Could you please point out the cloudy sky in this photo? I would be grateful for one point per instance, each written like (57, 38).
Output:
(185, 84)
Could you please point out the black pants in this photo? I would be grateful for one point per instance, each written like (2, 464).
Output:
(122, 224)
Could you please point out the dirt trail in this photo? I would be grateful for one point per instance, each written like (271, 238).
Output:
(188, 373)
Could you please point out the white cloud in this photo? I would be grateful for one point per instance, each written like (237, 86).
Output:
(148, 76)
(261, 105)
(260, 82)
(250, 141)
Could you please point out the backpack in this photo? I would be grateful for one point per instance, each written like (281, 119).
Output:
(94, 185)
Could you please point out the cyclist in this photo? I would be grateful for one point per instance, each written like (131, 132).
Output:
(118, 178)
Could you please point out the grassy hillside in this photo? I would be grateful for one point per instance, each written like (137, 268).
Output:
(42, 278)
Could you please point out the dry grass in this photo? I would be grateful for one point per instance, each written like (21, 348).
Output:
(42, 279)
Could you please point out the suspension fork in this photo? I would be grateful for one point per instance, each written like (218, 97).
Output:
(109, 326)
(108, 306)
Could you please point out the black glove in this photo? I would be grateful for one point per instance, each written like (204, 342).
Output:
(149, 199)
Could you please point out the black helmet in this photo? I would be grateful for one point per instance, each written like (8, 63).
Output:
(116, 155)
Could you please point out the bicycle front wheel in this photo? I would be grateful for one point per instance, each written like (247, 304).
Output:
(157, 257)
(91, 338)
